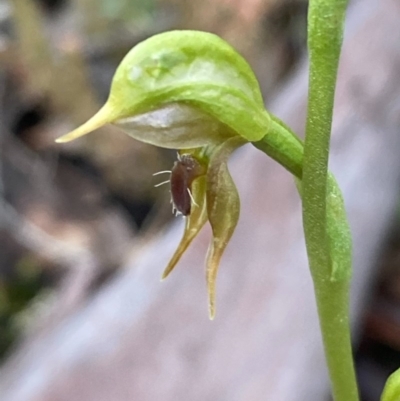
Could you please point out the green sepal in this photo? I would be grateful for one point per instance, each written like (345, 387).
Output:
(193, 224)
(223, 209)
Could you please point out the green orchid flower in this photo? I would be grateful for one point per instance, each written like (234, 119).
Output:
(189, 91)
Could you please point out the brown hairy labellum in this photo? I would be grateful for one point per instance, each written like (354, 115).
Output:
(186, 169)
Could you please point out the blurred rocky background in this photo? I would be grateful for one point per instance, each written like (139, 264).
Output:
(74, 217)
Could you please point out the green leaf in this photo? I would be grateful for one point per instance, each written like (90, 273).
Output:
(391, 392)
(338, 231)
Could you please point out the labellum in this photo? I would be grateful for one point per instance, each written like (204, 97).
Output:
(185, 170)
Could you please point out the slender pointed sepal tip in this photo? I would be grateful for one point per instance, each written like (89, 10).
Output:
(211, 314)
(167, 271)
(194, 223)
(104, 116)
(191, 231)
(185, 242)
(213, 260)
(211, 298)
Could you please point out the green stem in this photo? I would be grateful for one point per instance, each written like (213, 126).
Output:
(325, 31)
(332, 286)
(324, 41)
